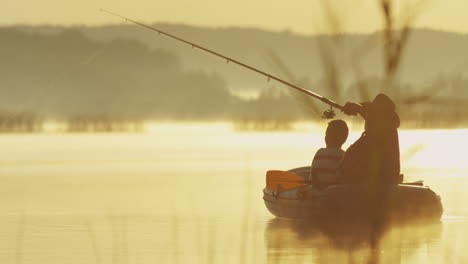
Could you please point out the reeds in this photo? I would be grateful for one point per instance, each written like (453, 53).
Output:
(93, 240)
(20, 239)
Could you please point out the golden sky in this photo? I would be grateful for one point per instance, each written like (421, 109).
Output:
(300, 16)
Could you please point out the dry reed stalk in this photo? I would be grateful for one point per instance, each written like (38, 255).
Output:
(20, 239)
(93, 239)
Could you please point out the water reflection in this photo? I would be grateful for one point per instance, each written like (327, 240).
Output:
(193, 196)
(296, 241)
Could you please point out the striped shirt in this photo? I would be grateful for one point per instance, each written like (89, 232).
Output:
(325, 165)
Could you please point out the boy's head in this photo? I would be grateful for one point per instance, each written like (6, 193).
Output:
(337, 133)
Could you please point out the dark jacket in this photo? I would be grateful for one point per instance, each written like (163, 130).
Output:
(375, 157)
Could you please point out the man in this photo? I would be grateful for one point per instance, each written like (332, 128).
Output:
(374, 158)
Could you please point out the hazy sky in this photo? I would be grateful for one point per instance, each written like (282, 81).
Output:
(301, 16)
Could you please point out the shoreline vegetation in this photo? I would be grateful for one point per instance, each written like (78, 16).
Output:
(29, 125)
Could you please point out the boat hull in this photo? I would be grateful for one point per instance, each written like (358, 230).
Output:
(398, 203)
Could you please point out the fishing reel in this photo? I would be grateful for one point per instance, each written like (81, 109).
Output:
(329, 113)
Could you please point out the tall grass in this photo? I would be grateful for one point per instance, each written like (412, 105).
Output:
(20, 239)
(93, 240)
(393, 42)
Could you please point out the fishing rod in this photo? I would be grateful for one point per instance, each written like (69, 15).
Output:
(327, 114)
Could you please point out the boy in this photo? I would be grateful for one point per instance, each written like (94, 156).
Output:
(327, 160)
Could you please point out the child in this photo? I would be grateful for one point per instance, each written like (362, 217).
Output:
(327, 160)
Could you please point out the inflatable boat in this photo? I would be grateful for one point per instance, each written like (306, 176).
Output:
(399, 202)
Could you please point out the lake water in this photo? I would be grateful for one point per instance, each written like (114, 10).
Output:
(192, 193)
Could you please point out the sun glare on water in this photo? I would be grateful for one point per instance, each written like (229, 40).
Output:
(435, 149)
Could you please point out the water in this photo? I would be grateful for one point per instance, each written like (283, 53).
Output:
(193, 194)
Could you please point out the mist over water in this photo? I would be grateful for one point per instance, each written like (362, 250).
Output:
(193, 194)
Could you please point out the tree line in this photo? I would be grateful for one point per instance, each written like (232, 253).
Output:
(67, 76)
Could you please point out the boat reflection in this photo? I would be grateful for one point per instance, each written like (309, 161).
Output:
(297, 241)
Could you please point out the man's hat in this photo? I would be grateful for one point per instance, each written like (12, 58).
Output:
(382, 110)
